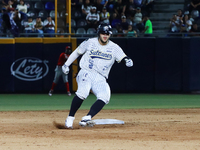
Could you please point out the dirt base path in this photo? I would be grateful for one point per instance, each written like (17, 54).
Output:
(149, 129)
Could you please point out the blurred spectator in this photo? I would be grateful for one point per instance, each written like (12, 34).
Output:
(195, 29)
(110, 5)
(137, 20)
(99, 6)
(76, 4)
(49, 25)
(176, 21)
(130, 9)
(22, 8)
(39, 26)
(148, 6)
(194, 14)
(114, 20)
(9, 24)
(180, 14)
(15, 2)
(93, 18)
(194, 5)
(148, 30)
(120, 31)
(124, 24)
(16, 16)
(29, 26)
(174, 24)
(119, 8)
(104, 2)
(130, 32)
(9, 7)
(6, 21)
(5, 2)
(105, 16)
(186, 24)
(86, 7)
(139, 3)
(1, 20)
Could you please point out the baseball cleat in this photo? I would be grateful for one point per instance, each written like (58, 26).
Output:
(69, 94)
(86, 121)
(50, 93)
(69, 122)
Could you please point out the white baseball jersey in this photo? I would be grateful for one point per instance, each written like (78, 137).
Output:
(99, 58)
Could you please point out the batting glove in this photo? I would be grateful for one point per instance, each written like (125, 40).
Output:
(65, 69)
(129, 62)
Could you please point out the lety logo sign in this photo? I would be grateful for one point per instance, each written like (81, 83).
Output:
(29, 68)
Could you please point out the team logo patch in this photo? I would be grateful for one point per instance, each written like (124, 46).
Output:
(29, 68)
(101, 55)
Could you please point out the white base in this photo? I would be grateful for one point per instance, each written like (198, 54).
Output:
(107, 121)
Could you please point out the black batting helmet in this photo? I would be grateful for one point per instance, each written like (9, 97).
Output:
(104, 28)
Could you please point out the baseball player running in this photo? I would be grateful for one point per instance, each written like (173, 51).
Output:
(58, 71)
(99, 54)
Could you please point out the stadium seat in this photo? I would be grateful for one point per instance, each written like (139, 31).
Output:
(76, 14)
(22, 22)
(60, 23)
(73, 30)
(91, 31)
(49, 6)
(52, 14)
(61, 6)
(38, 6)
(60, 30)
(73, 23)
(29, 5)
(43, 14)
(114, 31)
(129, 21)
(81, 31)
(62, 14)
(32, 13)
(81, 23)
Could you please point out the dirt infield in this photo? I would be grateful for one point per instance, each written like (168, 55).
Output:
(147, 129)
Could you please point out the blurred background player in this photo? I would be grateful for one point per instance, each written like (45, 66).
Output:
(58, 71)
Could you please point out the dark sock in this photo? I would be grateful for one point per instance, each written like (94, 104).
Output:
(96, 107)
(76, 104)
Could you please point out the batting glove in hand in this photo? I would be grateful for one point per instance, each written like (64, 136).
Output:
(129, 62)
(65, 69)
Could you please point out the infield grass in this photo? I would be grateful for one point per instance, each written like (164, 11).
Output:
(34, 102)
